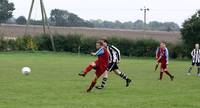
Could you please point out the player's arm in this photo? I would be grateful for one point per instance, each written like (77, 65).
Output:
(159, 58)
(157, 53)
(192, 53)
(167, 55)
(110, 54)
(99, 52)
(118, 52)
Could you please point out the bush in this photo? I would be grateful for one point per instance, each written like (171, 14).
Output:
(43, 42)
(60, 42)
(87, 44)
(3, 44)
(126, 46)
(75, 43)
(26, 43)
(7, 44)
(21, 44)
(145, 47)
(180, 51)
(11, 45)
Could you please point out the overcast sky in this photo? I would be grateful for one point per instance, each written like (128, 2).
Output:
(122, 10)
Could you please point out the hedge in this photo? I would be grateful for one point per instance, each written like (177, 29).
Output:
(76, 42)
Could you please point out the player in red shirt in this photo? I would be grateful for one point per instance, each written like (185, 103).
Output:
(100, 65)
(157, 56)
(162, 58)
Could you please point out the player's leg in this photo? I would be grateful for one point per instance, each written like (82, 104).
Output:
(198, 73)
(190, 68)
(198, 69)
(100, 69)
(116, 70)
(94, 81)
(122, 75)
(161, 74)
(161, 71)
(167, 72)
(105, 76)
(104, 80)
(88, 68)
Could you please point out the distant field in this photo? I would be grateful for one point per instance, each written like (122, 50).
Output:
(54, 83)
(16, 30)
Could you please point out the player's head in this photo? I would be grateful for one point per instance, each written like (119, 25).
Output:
(105, 42)
(197, 46)
(162, 45)
(99, 44)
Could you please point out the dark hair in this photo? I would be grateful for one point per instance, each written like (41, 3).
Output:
(100, 42)
(104, 40)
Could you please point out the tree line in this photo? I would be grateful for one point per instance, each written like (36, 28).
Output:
(77, 43)
(137, 25)
(65, 18)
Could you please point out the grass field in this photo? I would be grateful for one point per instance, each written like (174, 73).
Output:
(54, 83)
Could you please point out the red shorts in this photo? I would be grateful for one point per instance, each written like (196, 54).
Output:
(100, 69)
(163, 65)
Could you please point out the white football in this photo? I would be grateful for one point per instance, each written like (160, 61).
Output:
(26, 70)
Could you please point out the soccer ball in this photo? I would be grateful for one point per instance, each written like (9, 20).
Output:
(26, 70)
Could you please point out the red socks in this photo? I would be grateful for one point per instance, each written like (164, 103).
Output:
(161, 75)
(168, 74)
(91, 86)
(89, 68)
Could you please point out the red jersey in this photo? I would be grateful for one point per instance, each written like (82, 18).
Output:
(103, 57)
(102, 61)
(158, 52)
(163, 55)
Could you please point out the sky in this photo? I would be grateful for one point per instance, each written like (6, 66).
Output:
(112, 10)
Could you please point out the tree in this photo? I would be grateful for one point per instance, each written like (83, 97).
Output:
(138, 24)
(21, 20)
(64, 18)
(171, 26)
(191, 30)
(167, 26)
(59, 17)
(11, 20)
(36, 22)
(6, 10)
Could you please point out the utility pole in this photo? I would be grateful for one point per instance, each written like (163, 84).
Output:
(44, 20)
(29, 17)
(145, 18)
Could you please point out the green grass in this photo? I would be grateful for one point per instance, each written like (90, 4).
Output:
(54, 83)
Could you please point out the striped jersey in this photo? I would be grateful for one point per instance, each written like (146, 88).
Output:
(114, 53)
(195, 55)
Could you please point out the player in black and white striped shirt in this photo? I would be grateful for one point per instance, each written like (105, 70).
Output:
(115, 58)
(195, 59)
